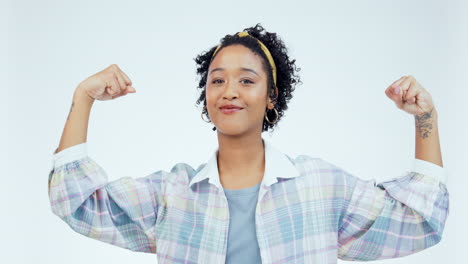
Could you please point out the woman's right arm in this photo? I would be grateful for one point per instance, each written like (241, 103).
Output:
(76, 126)
(122, 212)
(107, 84)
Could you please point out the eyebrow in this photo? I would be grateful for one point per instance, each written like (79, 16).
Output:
(241, 68)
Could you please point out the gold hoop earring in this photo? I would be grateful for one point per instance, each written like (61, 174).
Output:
(204, 107)
(266, 116)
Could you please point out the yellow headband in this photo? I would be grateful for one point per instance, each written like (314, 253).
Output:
(264, 48)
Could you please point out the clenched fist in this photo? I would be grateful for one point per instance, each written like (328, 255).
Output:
(410, 96)
(107, 84)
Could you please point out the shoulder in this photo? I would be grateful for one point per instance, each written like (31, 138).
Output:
(315, 167)
(311, 162)
(324, 178)
(181, 172)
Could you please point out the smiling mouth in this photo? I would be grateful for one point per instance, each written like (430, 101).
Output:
(230, 110)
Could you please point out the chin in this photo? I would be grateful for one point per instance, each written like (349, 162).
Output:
(231, 129)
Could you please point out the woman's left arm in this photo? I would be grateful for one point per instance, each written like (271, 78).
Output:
(407, 214)
(427, 138)
(412, 98)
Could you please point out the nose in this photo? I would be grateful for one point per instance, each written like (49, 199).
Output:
(230, 90)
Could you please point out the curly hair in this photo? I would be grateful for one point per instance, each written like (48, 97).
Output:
(286, 70)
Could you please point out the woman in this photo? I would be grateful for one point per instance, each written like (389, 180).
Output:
(250, 203)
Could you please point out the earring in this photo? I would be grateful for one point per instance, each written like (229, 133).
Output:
(266, 116)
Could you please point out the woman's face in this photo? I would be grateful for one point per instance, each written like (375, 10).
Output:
(236, 76)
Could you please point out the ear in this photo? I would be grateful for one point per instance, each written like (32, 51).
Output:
(271, 105)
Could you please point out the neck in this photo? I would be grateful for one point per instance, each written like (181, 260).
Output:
(241, 161)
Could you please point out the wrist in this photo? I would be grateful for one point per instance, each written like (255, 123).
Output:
(430, 114)
(81, 95)
(426, 124)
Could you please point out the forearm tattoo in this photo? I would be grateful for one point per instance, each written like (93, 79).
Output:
(424, 123)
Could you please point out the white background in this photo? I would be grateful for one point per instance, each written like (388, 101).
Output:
(349, 53)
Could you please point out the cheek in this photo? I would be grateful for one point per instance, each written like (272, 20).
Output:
(257, 105)
(256, 97)
(211, 99)
(211, 93)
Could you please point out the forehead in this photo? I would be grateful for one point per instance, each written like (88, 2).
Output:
(235, 56)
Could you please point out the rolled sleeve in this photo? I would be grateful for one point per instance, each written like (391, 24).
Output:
(69, 154)
(430, 169)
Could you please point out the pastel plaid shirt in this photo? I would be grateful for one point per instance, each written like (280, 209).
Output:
(308, 210)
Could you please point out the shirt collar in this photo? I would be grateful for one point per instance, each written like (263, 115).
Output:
(277, 165)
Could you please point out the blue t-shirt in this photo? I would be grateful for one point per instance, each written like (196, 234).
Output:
(242, 246)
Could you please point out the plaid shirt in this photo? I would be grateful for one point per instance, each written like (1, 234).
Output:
(308, 210)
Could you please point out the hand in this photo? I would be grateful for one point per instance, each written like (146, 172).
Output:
(410, 96)
(107, 84)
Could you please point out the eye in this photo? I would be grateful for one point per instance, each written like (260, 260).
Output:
(215, 81)
(248, 81)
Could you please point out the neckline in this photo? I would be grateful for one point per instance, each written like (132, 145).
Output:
(243, 191)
